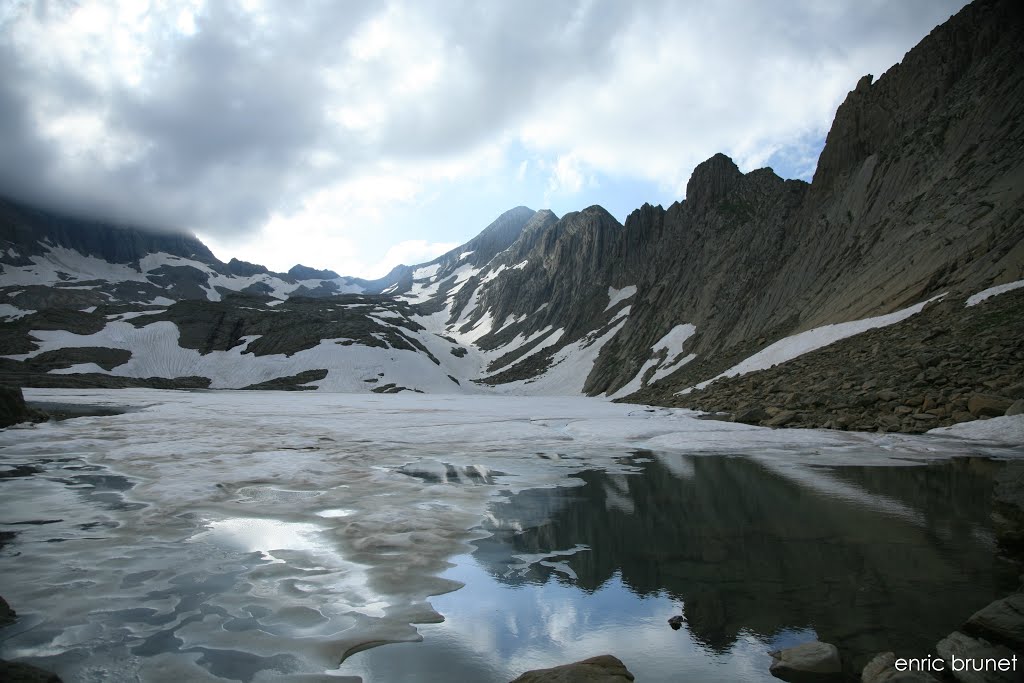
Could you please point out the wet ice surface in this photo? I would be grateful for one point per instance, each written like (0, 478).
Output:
(265, 536)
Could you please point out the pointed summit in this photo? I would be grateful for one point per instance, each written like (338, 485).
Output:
(711, 181)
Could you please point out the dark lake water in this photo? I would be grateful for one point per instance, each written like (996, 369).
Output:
(753, 555)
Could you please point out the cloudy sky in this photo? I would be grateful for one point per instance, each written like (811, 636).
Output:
(356, 135)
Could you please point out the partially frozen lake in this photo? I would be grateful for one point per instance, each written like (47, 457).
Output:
(269, 536)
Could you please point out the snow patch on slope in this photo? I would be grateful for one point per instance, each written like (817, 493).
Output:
(520, 341)
(10, 312)
(156, 353)
(45, 268)
(62, 265)
(426, 271)
(493, 274)
(672, 346)
(569, 368)
(811, 340)
(994, 291)
(617, 295)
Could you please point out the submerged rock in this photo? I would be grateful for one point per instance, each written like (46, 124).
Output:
(7, 615)
(600, 669)
(19, 672)
(1001, 621)
(809, 662)
(882, 669)
(981, 659)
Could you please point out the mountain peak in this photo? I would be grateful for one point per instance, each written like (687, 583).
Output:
(922, 94)
(244, 268)
(301, 272)
(711, 180)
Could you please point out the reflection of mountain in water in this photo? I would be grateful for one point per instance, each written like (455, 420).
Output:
(871, 558)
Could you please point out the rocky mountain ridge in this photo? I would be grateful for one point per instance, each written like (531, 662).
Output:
(41, 247)
(918, 196)
(895, 215)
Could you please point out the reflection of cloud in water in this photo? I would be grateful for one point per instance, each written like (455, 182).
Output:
(251, 534)
(539, 626)
(334, 513)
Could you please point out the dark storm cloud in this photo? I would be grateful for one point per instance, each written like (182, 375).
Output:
(220, 131)
(24, 159)
(519, 53)
(228, 117)
(239, 118)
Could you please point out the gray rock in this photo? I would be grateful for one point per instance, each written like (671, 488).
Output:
(19, 672)
(807, 663)
(882, 669)
(13, 409)
(781, 419)
(976, 654)
(751, 416)
(1016, 408)
(600, 669)
(879, 666)
(1001, 622)
(290, 383)
(889, 423)
(7, 615)
(842, 421)
(988, 405)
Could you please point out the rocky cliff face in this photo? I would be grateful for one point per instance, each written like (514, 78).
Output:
(53, 260)
(918, 192)
(555, 275)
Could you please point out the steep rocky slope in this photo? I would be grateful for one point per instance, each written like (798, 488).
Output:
(948, 364)
(51, 260)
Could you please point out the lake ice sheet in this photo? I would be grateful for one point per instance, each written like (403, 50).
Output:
(268, 536)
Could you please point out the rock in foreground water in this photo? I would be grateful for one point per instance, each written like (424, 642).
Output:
(1001, 621)
(882, 669)
(807, 663)
(19, 672)
(7, 615)
(600, 669)
(13, 409)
